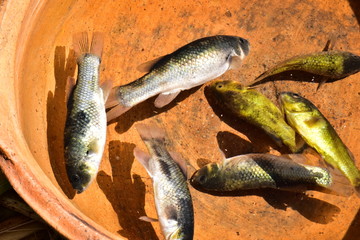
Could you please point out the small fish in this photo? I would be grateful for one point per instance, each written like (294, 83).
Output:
(85, 129)
(190, 66)
(328, 64)
(316, 130)
(168, 172)
(254, 171)
(252, 106)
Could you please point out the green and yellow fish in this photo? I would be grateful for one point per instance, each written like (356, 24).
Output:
(318, 133)
(328, 64)
(191, 65)
(252, 106)
(255, 171)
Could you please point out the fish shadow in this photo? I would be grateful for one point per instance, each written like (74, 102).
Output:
(354, 230)
(355, 5)
(146, 109)
(313, 209)
(56, 117)
(126, 193)
(260, 141)
(296, 76)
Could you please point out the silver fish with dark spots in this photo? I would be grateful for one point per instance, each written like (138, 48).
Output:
(85, 130)
(168, 172)
(254, 171)
(192, 65)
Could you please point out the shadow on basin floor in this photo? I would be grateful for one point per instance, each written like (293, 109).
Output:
(56, 116)
(126, 193)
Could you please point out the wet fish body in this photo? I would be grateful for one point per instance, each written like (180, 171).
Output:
(316, 130)
(192, 65)
(254, 171)
(172, 196)
(252, 106)
(85, 129)
(329, 64)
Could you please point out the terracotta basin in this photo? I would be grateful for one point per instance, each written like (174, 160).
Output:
(37, 56)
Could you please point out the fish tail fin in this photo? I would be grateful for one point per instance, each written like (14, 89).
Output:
(340, 184)
(113, 102)
(357, 191)
(97, 44)
(151, 133)
(81, 44)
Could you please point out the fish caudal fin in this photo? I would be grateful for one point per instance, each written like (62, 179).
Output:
(81, 44)
(357, 191)
(150, 132)
(340, 184)
(112, 102)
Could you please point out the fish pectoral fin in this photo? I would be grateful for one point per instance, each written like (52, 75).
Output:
(235, 62)
(180, 162)
(106, 87)
(116, 112)
(165, 98)
(148, 66)
(143, 158)
(69, 87)
(148, 219)
(314, 122)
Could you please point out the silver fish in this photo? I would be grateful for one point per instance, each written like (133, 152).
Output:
(85, 129)
(190, 66)
(172, 196)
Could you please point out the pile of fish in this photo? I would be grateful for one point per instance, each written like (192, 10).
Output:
(192, 65)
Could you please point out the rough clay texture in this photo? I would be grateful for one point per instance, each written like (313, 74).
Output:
(139, 31)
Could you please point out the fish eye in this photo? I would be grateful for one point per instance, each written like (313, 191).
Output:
(295, 95)
(202, 179)
(75, 178)
(220, 85)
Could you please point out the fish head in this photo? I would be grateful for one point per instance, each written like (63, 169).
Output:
(82, 164)
(231, 92)
(293, 103)
(242, 47)
(178, 234)
(207, 177)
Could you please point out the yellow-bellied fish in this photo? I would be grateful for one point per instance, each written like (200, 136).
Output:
(252, 106)
(316, 130)
(329, 64)
(254, 171)
(190, 66)
(168, 172)
(85, 129)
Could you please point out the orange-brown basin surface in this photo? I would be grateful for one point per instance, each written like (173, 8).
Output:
(37, 57)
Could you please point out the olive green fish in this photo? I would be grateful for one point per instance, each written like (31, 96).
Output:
(252, 106)
(168, 172)
(85, 129)
(190, 66)
(329, 64)
(316, 130)
(254, 171)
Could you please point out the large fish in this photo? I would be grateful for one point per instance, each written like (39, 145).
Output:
(316, 130)
(85, 129)
(190, 66)
(254, 171)
(168, 172)
(328, 64)
(254, 107)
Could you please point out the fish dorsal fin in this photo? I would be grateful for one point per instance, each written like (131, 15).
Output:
(235, 62)
(165, 98)
(148, 66)
(148, 219)
(314, 122)
(298, 158)
(144, 159)
(106, 87)
(69, 87)
(180, 162)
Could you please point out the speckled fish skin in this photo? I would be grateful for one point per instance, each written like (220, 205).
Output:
(316, 130)
(254, 171)
(85, 130)
(172, 196)
(331, 64)
(252, 106)
(191, 65)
